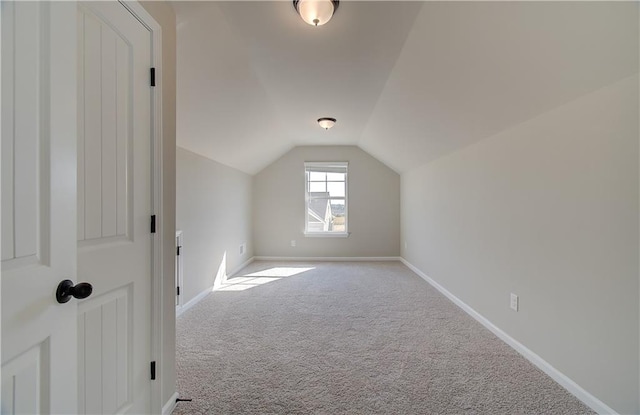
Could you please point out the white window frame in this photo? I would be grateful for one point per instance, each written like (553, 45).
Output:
(309, 165)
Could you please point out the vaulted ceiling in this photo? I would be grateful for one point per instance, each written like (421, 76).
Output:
(407, 81)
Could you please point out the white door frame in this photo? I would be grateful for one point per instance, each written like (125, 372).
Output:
(157, 276)
(179, 271)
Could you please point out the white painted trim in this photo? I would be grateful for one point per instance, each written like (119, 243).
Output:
(195, 300)
(157, 278)
(327, 234)
(564, 381)
(239, 267)
(329, 258)
(179, 268)
(341, 164)
(170, 405)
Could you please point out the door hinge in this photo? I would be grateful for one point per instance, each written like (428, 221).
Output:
(177, 290)
(178, 250)
(153, 223)
(153, 76)
(153, 370)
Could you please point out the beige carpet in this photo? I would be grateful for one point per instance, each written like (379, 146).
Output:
(349, 338)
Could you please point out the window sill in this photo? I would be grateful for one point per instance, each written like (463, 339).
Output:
(327, 234)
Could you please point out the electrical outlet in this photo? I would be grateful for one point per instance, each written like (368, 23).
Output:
(293, 242)
(243, 248)
(514, 302)
(405, 244)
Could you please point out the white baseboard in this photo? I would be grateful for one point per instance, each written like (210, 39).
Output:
(168, 407)
(239, 267)
(327, 258)
(195, 300)
(564, 381)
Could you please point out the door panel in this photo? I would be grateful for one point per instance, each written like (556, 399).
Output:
(114, 201)
(105, 139)
(21, 155)
(105, 334)
(22, 377)
(21, 107)
(38, 210)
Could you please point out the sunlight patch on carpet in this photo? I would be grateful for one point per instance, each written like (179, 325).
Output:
(258, 278)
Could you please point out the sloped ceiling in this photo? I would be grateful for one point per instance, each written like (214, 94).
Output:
(408, 81)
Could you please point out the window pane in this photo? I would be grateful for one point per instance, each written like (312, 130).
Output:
(319, 215)
(326, 196)
(314, 175)
(336, 189)
(315, 187)
(338, 223)
(337, 207)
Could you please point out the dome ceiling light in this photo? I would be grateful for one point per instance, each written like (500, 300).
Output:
(326, 122)
(316, 12)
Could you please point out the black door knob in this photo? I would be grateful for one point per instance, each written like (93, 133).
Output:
(66, 290)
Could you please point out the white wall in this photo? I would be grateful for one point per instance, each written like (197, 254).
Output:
(373, 206)
(165, 17)
(547, 210)
(214, 214)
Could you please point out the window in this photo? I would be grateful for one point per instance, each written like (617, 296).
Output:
(326, 199)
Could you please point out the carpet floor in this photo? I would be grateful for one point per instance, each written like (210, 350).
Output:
(349, 338)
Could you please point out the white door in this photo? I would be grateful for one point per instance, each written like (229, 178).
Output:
(39, 372)
(114, 210)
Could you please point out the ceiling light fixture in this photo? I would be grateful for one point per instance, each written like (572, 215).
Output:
(326, 122)
(316, 12)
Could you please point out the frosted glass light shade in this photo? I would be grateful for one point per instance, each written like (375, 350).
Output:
(326, 123)
(315, 12)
